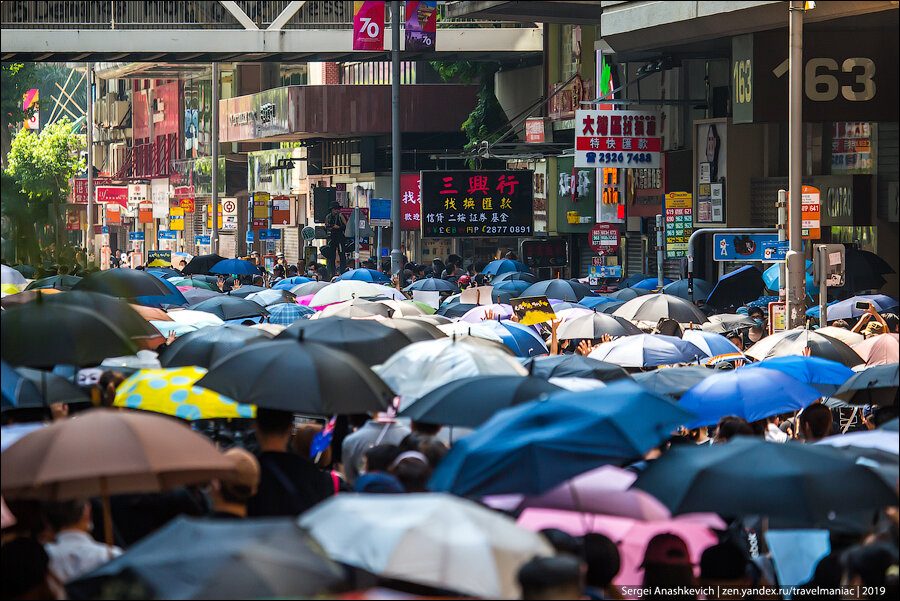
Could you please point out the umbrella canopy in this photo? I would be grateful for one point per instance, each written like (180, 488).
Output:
(876, 385)
(17, 391)
(710, 343)
(288, 283)
(357, 308)
(287, 313)
(469, 402)
(53, 387)
(452, 310)
(479, 312)
(653, 307)
(846, 309)
(201, 264)
(206, 346)
(309, 288)
(271, 297)
(365, 339)
(173, 392)
(673, 382)
(514, 287)
(800, 483)
(724, 323)
(235, 267)
(60, 282)
(423, 366)
(735, 288)
(194, 558)
(792, 342)
(592, 302)
(627, 294)
(632, 280)
(567, 315)
(166, 272)
(647, 350)
(879, 350)
(522, 340)
(595, 326)
(573, 366)
(843, 334)
(414, 329)
(20, 298)
(562, 289)
(459, 330)
(245, 291)
(365, 275)
(108, 452)
(173, 297)
(880, 440)
(650, 283)
(44, 335)
(533, 447)
(433, 284)
(199, 319)
(610, 308)
(511, 276)
(8, 275)
(504, 266)
(149, 313)
(749, 393)
(863, 270)
(230, 307)
(9, 289)
(198, 295)
(193, 283)
(128, 318)
(772, 279)
(431, 318)
(679, 288)
(125, 283)
(332, 381)
(823, 375)
(403, 308)
(343, 291)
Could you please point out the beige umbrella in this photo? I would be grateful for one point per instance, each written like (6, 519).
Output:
(879, 350)
(151, 313)
(103, 452)
(843, 334)
(402, 308)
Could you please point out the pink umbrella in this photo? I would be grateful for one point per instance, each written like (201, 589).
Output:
(304, 300)
(605, 490)
(500, 311)
(631, 536)
(879, 350)
(184, 288)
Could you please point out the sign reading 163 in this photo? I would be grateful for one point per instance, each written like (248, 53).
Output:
(742, 81)
(820, 81)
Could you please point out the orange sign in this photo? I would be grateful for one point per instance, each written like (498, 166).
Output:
(187, 205)
(113, 213)
(810, 213)
(145, 212)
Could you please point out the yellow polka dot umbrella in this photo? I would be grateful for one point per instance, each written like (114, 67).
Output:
(173, 392)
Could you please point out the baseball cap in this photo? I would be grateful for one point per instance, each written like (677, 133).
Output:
(246, 469)
(666, 549)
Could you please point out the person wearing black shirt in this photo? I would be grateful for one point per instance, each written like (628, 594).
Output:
(335, 224)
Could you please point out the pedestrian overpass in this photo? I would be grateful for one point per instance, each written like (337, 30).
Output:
(221, 31)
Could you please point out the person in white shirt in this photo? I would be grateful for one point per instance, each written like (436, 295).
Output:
(75, 552)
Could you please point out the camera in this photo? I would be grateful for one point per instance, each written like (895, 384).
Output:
(862, 305)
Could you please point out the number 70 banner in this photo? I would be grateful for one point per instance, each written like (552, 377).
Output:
(368, 25)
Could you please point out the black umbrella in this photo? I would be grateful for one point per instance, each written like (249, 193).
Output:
(596, 325)
(166, 272)
(455, 309)
(305, 378)
(891, 426)
(196, 558)
(609, 308)
(469, 402)
(205, 346)
(863, 270)
(53, 387)
(736, 288)
(562, 289)
(626, 294)
(201, 264)
(245, 291)
(724, 323)
(513, 276)
(433, 284)
(60, 282)
(365, 339)
(673, 381)
(230, 307)
(572, 366)
(792, 342)
(308, 288)
(416, 331)
(875, 385)
(802, 484)
(18, 392)
(118, 312)
(44, 335)
(653, 307)
(125, 283)
(198, 295)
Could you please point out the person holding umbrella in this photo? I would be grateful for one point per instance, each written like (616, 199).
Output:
(74, 551)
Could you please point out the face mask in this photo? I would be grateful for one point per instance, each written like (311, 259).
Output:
(758, 322)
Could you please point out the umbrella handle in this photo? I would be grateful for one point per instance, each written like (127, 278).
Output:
(107, 513)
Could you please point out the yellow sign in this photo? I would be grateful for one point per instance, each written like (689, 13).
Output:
(678, 200)
(573, 217)
(261, 205)
(176, 219)
(209, 218)
(532, 309)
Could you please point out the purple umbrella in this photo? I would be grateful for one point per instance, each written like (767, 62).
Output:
(477, 314)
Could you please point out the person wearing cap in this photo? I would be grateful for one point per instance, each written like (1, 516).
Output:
(667, 568)
(229, 496)
(335, 224)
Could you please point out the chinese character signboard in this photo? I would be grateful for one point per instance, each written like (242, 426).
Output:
(810, 213)
(145, 212)
(176, 219)
(259, 218)
(540, 197)
(113, 194)
(186, 204)
(368, 25)
(421, 25)
(410, 205)
(679, 224)
(534, 130)
(851, 148)
(604, 239)
(477, 203)
(617, 139)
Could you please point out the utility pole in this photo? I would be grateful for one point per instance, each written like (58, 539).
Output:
(89, 139)
(214, 238)
(396, 265)
(796, 265)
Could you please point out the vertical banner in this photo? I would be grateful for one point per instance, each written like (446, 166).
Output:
(679, 223)
(145, 212)
(159, 196)
(30, 99)
(421, 25)
(368, 25)
(259, 218)
(410, 201)
(176, 219)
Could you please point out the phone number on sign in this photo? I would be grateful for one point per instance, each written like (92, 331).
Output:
(483, 229)
(618, 158)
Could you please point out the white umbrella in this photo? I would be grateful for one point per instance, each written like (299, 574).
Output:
(344, 290)
(389, 292)
(423, 366)
(432, 539)
(403, 309)
(461, 329)
(198, 319)
(178, 329)
(647, 350)
(881, 440)
(11, 276)
(846, 336)
(575, 383)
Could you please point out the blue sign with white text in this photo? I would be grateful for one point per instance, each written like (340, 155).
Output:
(379, 210)
(164, 235)
(748, 247)
(137, 236)
(270, 234)
(249, 236)
(605, 271)
(204, 240)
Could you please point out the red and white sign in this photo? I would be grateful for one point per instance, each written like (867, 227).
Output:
(605, 239)
(145, 212)
(281, 210)
(368, 25)
(810, 213)
(410, 201)
(534, 130)
(113, 195)
(113, 213)
(621, 139)
(187, 204)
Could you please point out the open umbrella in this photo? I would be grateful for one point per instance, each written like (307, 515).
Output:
(235, 267)
(846, 309)
(793, 342)
(230, 307)
(460, 330)
(522, 340)
(596, 325)
(44, 335)
(8, 275)
(651, 283)
(735, 288)
(287, 313)
(626, 294)
(199, 319)
(20, 298)
(166, 272)
(193, 283)
(365, 275)
(126, 283)
(206, 346)
(514, 287)
(479, 312)
(343, 291)
(879, 350)
(569, 366)
(772, 279)
(308, 288)
(433, 284)
(245, 291)
(326, 381)
(823, 375)
(504, 266)
(271, 297)
(54, 388)
(365, 339)
(435, 320)
(562, 289)
(17, 391)
(802, 484)
(402, 308)
(647, 350)
(288, 283)
(532, 447)
(675, 381)
(843, 334)
(876, 385)
(173, 392)
(201, 264)
(452, 310)
(356, 308)
(609, 308)
(469, 402)
(880, 440)
(198, 558)
(723, 323)
(60, 282)
(653, 307)
(436, 540)
(414, 329)
(592, 302)
(198, 295)
(679, 288)
(710, 343)
(126, 317)
(512, 276)
(863, 270)
(753, 394)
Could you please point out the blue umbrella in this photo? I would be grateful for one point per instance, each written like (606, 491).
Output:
(846, 309)
(530, 448)
(562, 289)
(702, 288)
(763, 301)
(591, 302)
(515, 286)
(287, 313)
(822, 374)
(514, 275)
(503, 266)
(631, 280)
(523, 340)
(710, 343)
(735, 288)
(18, 392)
(647, 350)
(365, 275)
(235, 267)
(175, 297)
(288, 283)
(650, 283)
(433, 284)
(772, 278)
(749, 393)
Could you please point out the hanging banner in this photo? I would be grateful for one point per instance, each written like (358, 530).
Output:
(176, 219)
(113, 213)
(410, 201)
(368, 25)
(30, 99)
(145, 212)
(627, 139)
(421, 25)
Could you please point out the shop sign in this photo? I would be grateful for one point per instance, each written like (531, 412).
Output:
(113, 213)
(138, 193)
(534, 130)
(540, 197)
(270, 234)
(145, 212)
(604, 239)
(167, 235)
(203, 240)
(368, 25)
(78, 188)
(176, 219)
(421, 25)
(477, 203)
(545, 253)
(112, 195)
(679, 224)
(851, 148)
(208, 212)
(136, 236)
(565, 99)
(186, 204)
(267, 113)
(410, 201)
(711, 161)
(281, 210)
(627, 139)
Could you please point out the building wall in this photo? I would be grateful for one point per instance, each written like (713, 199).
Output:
(517, 89)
